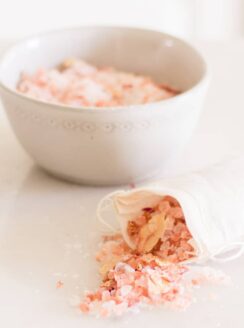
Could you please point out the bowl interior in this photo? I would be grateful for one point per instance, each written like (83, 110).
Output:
(163, 57)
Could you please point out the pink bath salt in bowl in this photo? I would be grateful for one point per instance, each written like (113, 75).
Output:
(77, 83)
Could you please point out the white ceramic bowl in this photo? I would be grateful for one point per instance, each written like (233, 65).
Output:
(109, 145)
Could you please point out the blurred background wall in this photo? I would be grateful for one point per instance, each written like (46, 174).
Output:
(201, 19)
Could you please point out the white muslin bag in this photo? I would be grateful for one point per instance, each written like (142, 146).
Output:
(212, 201)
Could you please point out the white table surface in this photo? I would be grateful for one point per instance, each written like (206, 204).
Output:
(48, 227)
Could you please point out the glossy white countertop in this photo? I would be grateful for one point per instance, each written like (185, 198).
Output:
(48, 229)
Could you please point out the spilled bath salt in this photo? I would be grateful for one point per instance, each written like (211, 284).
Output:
(149, 264)
(77, 83)
(131, 281)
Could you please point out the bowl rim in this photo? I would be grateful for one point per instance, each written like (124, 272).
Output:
(4, 55)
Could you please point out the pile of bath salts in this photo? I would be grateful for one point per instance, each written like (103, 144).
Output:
(131, 281)
(162, 230)
(78, 83)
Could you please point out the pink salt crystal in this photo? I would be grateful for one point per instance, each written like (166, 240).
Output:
(164, 206)
(105, 295)
(59, 284)
(195, 282)
(125, 290)
(140, 220)
(84, 307)
(185, 246)
(169, 223)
